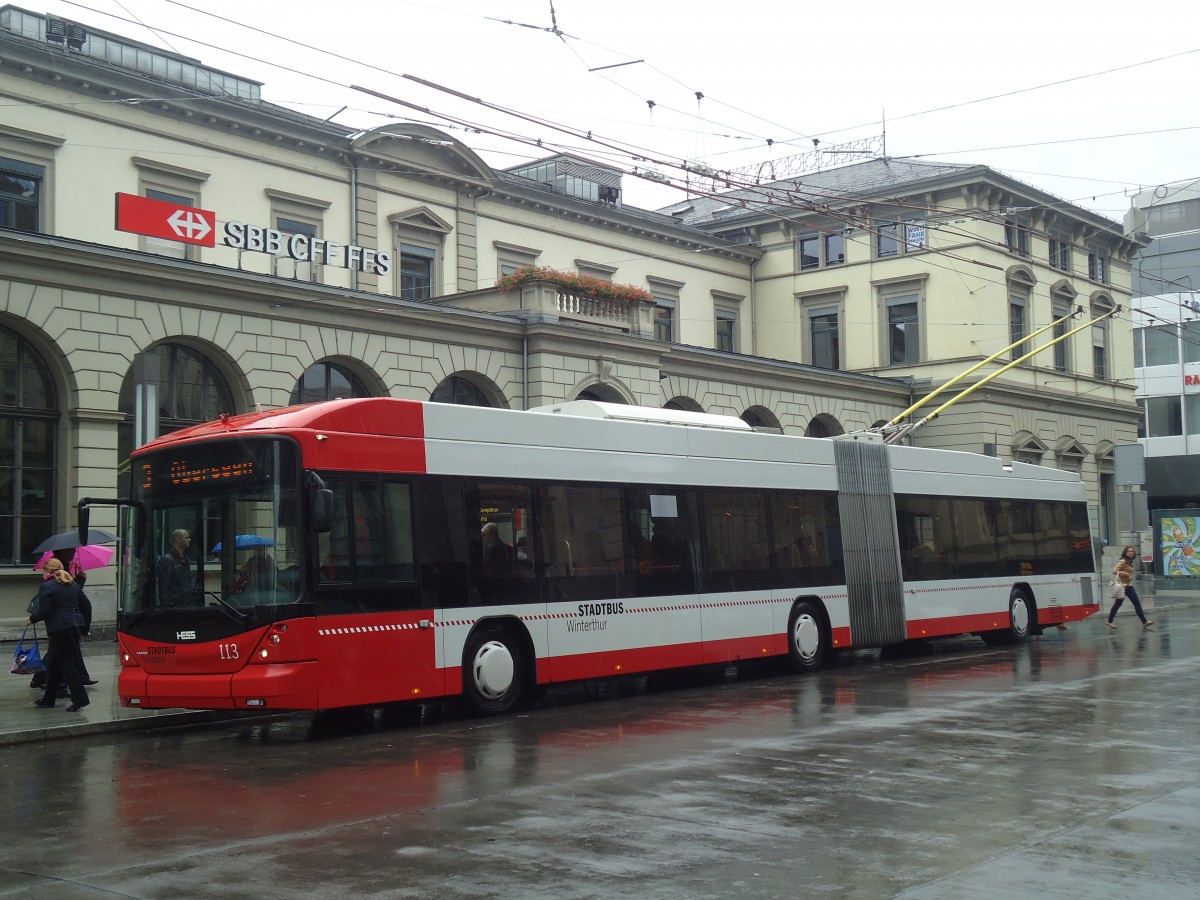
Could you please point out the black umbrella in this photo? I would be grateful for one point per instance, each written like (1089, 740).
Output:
(68, 539)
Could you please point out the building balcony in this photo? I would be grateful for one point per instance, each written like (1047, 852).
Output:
(545, 301)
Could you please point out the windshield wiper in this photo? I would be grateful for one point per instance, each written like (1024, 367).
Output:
(242, 616)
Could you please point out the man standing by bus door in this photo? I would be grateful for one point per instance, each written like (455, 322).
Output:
(176, 578)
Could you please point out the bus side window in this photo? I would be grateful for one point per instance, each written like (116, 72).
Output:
(443, 546)
(333, 547)
(585, 556)
(502, 522)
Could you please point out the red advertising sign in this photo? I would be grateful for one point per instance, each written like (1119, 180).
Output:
(160, 219)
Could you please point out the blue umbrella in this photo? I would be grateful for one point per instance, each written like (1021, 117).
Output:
(246, 541)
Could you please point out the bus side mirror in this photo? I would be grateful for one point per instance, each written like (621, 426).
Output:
(322, 510)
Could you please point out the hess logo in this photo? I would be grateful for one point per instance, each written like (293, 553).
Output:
(185, 635)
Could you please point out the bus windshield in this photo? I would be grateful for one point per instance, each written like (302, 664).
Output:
(219, 530)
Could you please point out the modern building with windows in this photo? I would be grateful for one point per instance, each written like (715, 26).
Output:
(1166, 341)
(299, 260)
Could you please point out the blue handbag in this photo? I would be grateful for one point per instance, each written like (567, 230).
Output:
(27, 660)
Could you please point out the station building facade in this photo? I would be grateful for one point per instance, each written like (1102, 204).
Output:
(353, 263)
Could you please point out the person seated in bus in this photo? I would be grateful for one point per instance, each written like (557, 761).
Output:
(497, 555)
(257, 573)
(176, 575)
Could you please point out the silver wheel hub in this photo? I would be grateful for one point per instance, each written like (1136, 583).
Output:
(1020, 615)
(806, 636)
(492, 670)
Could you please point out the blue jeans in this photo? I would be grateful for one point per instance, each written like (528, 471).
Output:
(1132, 597)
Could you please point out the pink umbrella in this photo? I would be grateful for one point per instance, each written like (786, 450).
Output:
(89, 556)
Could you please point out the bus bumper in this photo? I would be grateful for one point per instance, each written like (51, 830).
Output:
(256, 687)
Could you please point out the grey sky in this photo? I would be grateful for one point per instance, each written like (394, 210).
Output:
(773, 75)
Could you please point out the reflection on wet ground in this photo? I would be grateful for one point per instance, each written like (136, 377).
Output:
(946, 769)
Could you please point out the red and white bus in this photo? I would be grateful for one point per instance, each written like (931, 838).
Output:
(365, 552)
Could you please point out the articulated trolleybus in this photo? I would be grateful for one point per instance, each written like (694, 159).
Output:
(371, 551)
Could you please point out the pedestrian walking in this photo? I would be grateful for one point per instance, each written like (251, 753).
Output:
(85, 607)
(1123, 574)
(59, 606)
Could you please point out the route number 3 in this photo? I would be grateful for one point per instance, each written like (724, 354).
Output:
(228, 651)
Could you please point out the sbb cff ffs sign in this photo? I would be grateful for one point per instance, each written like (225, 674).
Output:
(161, 219)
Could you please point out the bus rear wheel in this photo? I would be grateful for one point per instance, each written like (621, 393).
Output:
(493, 671)
(807, 639)
(1021, 614)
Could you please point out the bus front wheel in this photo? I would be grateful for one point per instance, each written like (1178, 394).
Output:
(493, 671)
(807, 639)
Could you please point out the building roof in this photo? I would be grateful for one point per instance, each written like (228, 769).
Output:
(876, 181)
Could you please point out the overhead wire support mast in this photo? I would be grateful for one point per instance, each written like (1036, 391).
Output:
(979, 365)
(903, 431)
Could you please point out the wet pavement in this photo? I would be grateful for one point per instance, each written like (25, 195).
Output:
(1064, 768)
(22, 722)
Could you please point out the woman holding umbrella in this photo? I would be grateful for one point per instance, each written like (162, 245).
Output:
(78, 560)
(59, 606)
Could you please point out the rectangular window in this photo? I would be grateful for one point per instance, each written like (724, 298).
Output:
(1191, 413)
(502, 567)
(899, 236)
(1060, 254)
(736, 550)
(371, 542)
(1098, 266)
(416, 272)
(1017, 326)
(657, 528)
(664, 320)
(510, 257)
(810, 252)
(1191, 341)
(583, 549)
(1104, 529)
(1062, 355)
(1016, 237)
(914, 235)
(835, 249)
(887, 240)
(1164, 416)
(161, 246)
(814, 250)
(21, 195)
(284, 264)
(1172, 218)
(1162, 345)
(726, 331)
(807, 537)
(903, 331)
(824, 346)
(1100, 351)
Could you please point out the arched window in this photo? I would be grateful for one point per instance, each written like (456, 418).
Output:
(28, 428)
(686, 404)
(327, 381)
(190, 390)
(456, 389)
(761, 419)
(601, 393)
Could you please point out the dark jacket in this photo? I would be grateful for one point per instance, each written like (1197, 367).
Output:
(59, 606)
